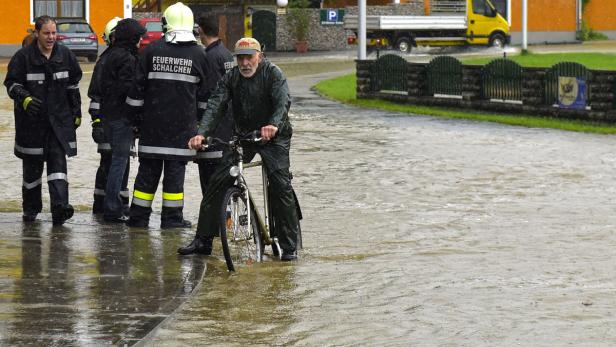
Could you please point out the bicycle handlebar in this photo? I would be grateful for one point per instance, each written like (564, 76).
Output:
(252, 137)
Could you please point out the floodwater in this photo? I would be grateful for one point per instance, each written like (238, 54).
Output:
(425, 231)
(417, 231)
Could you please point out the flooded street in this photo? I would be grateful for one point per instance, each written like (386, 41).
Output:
(423, 231)
(417, 231)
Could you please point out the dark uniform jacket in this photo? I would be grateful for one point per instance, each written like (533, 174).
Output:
(56, 83)
(220, 61)
(170, 83)
(116, 82)
(94, 89)
(260, 100)
(95, 93)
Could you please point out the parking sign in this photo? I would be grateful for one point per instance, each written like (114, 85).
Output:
(332, 16)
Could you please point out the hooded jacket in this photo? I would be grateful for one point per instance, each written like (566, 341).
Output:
(119, 71)
(55, 81)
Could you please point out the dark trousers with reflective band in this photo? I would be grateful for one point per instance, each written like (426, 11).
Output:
(100, 183)
(284, 207)
(55, 157)
(146, 182)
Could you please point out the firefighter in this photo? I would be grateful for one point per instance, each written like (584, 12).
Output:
(98, 133)
(116, 80)
(43, 80)
(169, 85)
(220, 61)
(259, 95)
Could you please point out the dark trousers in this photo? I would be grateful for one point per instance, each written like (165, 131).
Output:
(206, 170)
(282, 199)
(146, 182)
(120, 135)
(55, 157)
(100, 184)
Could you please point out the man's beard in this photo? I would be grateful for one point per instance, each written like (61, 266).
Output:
(248, 72)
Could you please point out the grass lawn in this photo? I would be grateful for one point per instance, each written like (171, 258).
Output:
(343, 89)
(598, 61)
(294, 69)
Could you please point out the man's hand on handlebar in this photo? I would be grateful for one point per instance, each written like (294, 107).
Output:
(268, 132)
(196, 142)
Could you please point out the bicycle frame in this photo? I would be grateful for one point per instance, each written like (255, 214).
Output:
(263, 221)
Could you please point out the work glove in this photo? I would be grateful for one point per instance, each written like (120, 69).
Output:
(77, 122)
(32, 106)
(98, 135)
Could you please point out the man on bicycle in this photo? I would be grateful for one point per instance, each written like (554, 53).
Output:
(258, 93)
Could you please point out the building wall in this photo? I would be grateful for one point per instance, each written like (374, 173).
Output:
(101, 11)
(548, 20)
(600, 15)
(16, 19)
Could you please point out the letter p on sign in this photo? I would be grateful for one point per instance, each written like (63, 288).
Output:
(332, 16)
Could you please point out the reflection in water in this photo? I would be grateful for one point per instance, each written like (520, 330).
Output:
(250, 307)
(94, 286)
(45, 292)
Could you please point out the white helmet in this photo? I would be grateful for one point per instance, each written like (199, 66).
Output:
(178, 22)
(109, 29)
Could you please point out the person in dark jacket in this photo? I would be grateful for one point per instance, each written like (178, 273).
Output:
(43, 80)
(258, 93)
(220, 61)
(170, 83)
(117, 78)
(98, 132)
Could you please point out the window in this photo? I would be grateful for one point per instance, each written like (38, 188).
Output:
(483, 8)
(60, 8)
(154, 26)
(479, 6)
(501, 7)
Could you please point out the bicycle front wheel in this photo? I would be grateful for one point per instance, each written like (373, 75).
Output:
(241, 243)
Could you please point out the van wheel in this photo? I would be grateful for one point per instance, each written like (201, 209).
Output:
(403, 45)
(497, 40)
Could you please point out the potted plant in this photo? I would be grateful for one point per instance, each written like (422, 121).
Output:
(299, 24)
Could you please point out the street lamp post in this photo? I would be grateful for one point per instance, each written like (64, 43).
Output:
(362, 30)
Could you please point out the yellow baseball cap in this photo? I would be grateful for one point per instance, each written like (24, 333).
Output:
(247, 45)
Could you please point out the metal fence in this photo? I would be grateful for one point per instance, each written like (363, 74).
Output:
(444, 75)
(502, 80)
(388, 74)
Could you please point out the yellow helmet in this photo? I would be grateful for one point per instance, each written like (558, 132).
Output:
(109, 29)
(178, 17)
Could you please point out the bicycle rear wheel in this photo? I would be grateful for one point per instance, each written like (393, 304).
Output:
(241, 244)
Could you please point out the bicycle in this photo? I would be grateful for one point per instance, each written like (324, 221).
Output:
(244, 235)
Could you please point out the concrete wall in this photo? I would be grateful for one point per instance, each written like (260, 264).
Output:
(600, 86)
(333, 37)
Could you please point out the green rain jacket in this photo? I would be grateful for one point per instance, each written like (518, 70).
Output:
(260, 100)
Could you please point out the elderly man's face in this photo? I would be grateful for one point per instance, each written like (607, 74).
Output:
(248, 63)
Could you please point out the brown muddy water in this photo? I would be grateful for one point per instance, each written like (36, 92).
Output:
(417, 231)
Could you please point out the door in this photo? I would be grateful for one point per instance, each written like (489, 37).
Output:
(481, 21)
(264, 29)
